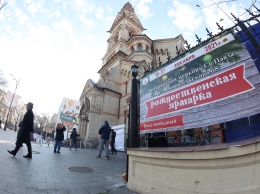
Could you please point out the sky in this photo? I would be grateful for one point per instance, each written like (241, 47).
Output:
(53, 47)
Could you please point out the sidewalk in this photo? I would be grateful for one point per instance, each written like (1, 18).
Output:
(49, 173)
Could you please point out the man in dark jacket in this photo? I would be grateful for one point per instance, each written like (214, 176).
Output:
(112, 143)
(27, 128)
(104, 133)
(74, 137)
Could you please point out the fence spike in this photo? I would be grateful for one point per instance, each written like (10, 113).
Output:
(234, 17)
(251, 13)
(187, 44)
(209, 33)
(198, 39)
(220, 27)
(256, 8)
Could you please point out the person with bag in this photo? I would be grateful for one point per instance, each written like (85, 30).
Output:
(74, 137)
(104, 133)
(27, 129)
(59, 137)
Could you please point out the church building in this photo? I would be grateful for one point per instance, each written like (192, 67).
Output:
(109, 98)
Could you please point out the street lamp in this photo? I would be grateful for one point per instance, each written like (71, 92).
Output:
(83, 115)
(17, 83)
(133, 132)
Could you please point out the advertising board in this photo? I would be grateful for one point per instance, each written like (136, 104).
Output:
(216, 83)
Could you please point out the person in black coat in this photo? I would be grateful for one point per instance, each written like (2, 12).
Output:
(104, 133)
(59, 137)
(27, 129)
(74, 137)
(112, 142)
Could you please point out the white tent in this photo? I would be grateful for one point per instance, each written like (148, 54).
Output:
(120, 137)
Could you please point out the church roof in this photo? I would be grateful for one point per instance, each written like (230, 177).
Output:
(127, 12)
(128, 6)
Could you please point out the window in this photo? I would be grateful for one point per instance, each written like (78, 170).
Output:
(140, 47)
(126, 88)
(161, 51)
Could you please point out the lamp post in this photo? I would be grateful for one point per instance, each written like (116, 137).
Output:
(133, 132)
(83, 115)
(17, 83)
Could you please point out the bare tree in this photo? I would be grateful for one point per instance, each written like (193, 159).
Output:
(17, 113)
(3, 81)
(41, 121)
(3, 101)
(3, 105)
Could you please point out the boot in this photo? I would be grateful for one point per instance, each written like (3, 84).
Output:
(28, 156)
(11, 152)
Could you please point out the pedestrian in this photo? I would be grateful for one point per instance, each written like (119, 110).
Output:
(112, 142)
(27, 128)
(39, 138)
(104, 133)
(48, 138)
(59, 137)
(44, 135)
(74, 137)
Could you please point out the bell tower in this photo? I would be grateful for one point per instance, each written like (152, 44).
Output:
(125, 25)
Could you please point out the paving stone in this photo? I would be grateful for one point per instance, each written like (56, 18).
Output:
(36, 191)
(48, 173)
(4, 192)
(3, 185)
(15, 189)
(97, 190)
(27, 184)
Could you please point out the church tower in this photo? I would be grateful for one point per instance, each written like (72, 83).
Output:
(108, 99)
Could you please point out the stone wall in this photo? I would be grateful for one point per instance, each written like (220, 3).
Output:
(186, 170)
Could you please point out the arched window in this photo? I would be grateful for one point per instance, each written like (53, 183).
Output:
(140, 47)
(161, 51)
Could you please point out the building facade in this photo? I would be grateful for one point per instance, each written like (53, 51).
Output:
(109, 98)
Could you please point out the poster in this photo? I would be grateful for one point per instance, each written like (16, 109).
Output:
(68, 114)
(216, 83)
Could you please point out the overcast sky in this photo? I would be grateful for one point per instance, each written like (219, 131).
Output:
(53, 47)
